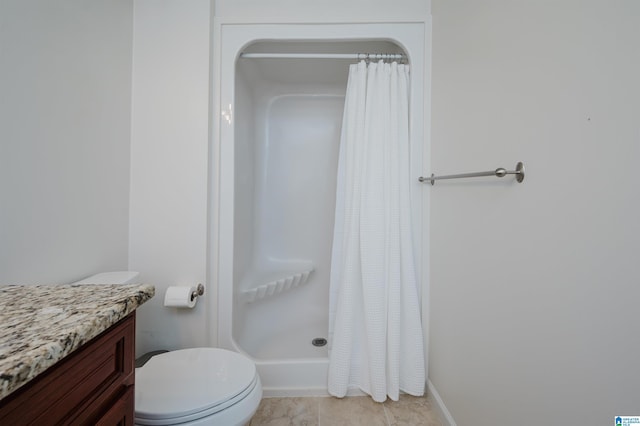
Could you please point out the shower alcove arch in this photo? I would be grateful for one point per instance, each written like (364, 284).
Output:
(275, 135)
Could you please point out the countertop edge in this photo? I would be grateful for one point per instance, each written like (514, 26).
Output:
(74, 337)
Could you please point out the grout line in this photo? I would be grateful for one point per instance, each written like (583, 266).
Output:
(432, 414)
(386, 413)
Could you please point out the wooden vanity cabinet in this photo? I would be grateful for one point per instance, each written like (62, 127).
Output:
(91, 386)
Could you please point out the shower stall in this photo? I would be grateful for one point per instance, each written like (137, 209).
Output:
(278, 102)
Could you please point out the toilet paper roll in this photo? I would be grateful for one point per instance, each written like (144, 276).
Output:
(180, 297)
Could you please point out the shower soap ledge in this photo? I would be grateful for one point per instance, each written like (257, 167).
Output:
(277, 286)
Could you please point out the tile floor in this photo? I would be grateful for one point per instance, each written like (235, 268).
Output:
(354, 410)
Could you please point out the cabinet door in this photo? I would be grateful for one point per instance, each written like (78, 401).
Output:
(121, 412)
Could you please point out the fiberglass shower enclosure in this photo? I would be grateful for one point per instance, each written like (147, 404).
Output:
(279, 122)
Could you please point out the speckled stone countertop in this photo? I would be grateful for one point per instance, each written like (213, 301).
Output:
(40, 325)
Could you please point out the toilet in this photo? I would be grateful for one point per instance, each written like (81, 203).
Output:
(199, 386)
(191, 387)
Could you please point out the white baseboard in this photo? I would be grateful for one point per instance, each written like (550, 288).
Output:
(439, 407)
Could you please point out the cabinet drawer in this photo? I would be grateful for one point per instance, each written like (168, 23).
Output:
(79, 387)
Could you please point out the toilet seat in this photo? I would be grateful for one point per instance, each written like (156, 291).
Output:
(189, 384)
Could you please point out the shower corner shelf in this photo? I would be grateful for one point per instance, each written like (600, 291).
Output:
(289, 282)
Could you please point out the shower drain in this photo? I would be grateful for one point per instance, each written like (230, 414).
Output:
(319, 341)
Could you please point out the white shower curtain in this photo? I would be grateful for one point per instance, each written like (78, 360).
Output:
(375, 329)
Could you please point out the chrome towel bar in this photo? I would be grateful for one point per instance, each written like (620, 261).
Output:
(499, 172)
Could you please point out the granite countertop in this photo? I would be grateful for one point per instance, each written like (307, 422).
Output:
(42, 324)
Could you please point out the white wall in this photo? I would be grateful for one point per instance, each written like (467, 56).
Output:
(169, 157)
(534, 286)
(65, 88)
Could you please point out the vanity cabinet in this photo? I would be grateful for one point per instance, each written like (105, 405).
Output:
(91, 386)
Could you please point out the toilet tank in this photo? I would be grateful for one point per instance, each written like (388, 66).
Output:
(116, 277)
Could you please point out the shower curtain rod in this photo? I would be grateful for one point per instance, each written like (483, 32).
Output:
(365, 56)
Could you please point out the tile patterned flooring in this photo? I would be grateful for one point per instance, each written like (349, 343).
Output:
(353, 410)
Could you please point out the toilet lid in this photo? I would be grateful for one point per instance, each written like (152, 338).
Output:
(189, 381)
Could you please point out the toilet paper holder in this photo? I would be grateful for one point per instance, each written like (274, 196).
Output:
(199, 291)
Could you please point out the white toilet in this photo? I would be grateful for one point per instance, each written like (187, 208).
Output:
(200, 386)
(189, 387)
